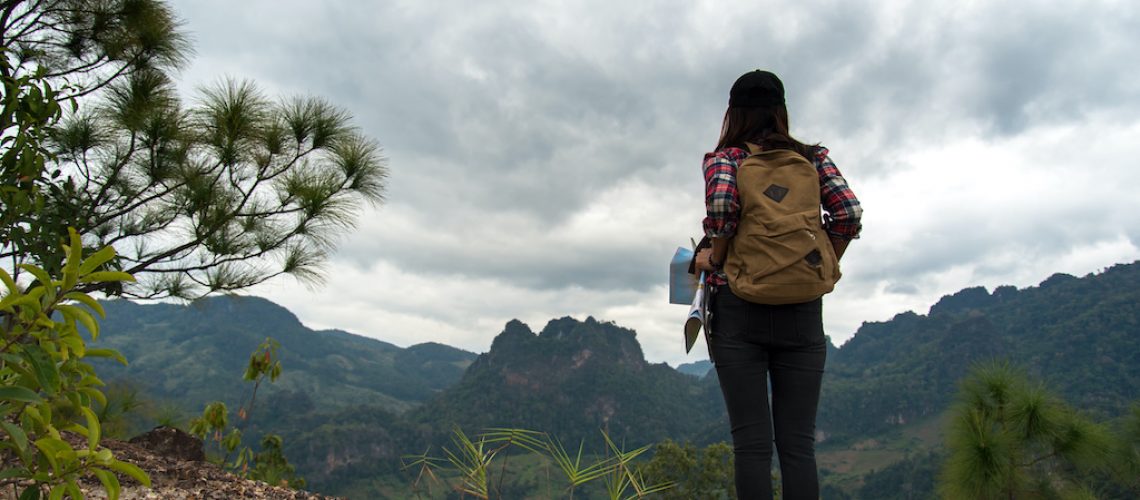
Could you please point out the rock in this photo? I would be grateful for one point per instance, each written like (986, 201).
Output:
(171, 443)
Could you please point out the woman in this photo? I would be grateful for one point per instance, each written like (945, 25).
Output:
(751, 342)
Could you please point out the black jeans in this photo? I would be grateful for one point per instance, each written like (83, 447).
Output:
(748, 343)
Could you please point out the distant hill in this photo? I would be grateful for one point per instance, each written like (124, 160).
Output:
(698, 369)
(196, 353)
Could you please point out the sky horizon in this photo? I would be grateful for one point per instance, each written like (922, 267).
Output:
(545, 157)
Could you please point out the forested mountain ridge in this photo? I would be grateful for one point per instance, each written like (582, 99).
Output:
(1081, 336)
(573, 378)
(197, 352)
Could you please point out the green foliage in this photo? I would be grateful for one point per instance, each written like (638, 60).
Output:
(214, 426)
(120, 402)
(1125, 458)
(911, 478)
(624, 474)
(697, 474)
(470, 461)
(1121, 477)
(46, 384)
(1010, 437)
(30, 107)
(217, 197)
(54, 52)
(270, 465)
(92, 43)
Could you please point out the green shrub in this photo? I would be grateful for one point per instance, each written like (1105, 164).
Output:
(46, 386)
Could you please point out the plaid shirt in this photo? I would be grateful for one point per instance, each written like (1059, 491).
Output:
(842, 211)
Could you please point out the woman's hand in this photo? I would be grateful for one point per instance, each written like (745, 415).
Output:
(702, 261)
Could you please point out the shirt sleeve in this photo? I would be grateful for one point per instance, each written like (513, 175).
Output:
(722, 199)
(843, 211)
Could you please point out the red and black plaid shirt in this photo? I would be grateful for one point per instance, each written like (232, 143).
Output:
(722, 198)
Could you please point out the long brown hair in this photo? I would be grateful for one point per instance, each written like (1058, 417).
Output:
(766, 126)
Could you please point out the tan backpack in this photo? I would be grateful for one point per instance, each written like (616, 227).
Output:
(780, 254)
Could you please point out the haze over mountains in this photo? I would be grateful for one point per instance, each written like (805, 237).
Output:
(350, 406)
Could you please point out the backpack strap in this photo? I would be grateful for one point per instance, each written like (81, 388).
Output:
(753, 148)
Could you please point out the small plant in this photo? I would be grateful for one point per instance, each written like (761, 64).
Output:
(46, 386)
(622, 475)
(472, 460)
(270, 464)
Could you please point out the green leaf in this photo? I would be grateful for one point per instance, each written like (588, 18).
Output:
(29, 299)
(95, 395)
(31, 493)
(110, 483)
(94, 431)
(131, 470)
(41, 275)
(19, 437)
(57, 492)
(74, 344)
(105, 276)
(9, 282)
(13, 473)
(107, 353)
(21, 394)
(33, 412)
(97, 259)
(75, 428)
(232, 440)
(86, 300)
(9, 301)
(52, 448)
(74, 257)
(47, 374)
(81, 316)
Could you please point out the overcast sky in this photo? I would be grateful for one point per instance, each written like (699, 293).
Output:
(545, 155)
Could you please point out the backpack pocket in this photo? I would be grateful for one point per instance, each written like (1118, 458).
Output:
(781, 245)
(784, 260)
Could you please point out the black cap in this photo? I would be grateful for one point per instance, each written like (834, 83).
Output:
(756, 89)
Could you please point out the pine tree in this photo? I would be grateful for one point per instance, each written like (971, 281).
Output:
(1010, 438)
(218, 196)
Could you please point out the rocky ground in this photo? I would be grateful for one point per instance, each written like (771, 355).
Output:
(178, 472)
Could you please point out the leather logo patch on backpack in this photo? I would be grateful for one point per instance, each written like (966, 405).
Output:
(776, 192)
(814, 258)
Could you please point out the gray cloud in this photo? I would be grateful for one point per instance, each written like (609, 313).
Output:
(902, 289)
(557, 146)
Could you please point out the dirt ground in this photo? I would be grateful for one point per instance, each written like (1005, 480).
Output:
(180, 479)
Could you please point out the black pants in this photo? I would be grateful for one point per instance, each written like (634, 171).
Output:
(748, 343)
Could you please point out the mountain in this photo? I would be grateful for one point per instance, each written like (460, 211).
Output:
(1080, 336)
(350, 407)
(196, 353)
(573, 378)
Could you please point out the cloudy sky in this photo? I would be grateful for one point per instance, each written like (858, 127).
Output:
(545, 155)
